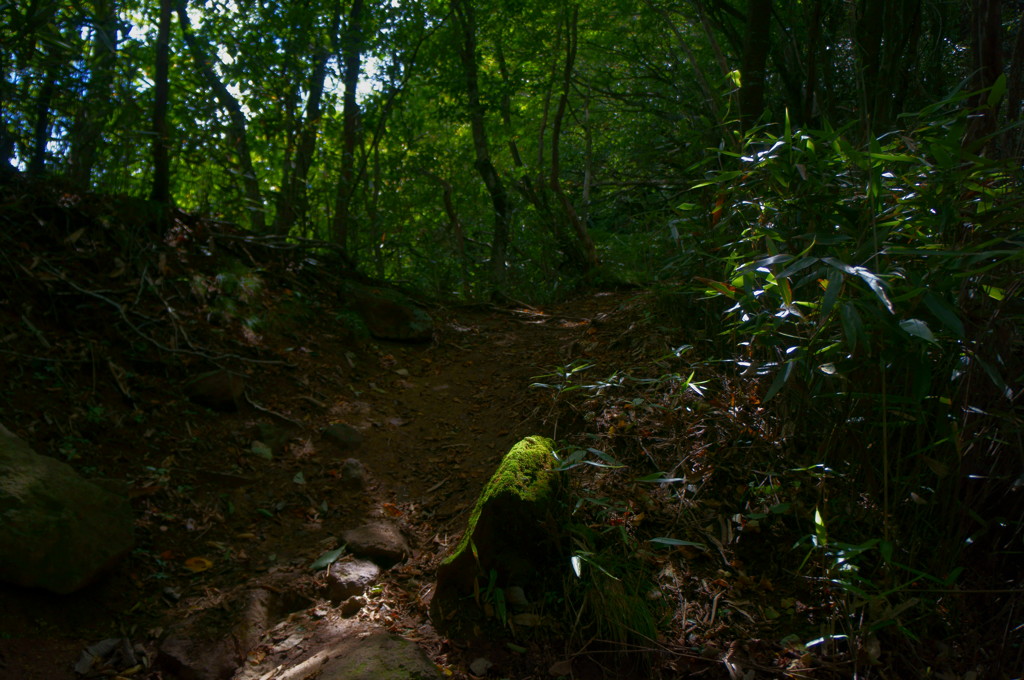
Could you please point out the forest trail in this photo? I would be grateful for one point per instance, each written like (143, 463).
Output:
(432, 421)
(698, 497)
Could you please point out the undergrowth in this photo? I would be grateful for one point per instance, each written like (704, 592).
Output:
(828, 444)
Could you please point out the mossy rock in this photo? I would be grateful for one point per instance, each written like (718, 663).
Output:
(509, 532)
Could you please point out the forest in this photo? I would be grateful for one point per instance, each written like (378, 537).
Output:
(805, 219)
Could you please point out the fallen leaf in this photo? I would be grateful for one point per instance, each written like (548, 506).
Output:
(561, 668)
(197, 564)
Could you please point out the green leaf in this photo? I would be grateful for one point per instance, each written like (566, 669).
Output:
(833, 285)
(780, 379)
(767, 261)
(885, 547)
(820, 533)
(327, 559)
(841, 266)
(997, 91)
(919, 329)
(665, 540)
(853, 327)
(994, 292)
(876, 284)
(944, 313)
(799, 265)
(994, 375)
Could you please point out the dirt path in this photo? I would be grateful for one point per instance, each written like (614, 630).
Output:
(434, 421)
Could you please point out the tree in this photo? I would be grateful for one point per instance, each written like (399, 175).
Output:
(293, 200)
(466, 44)
(161, 191)
(90, 117)
(589, 260)
(236, 118)
(350, 51)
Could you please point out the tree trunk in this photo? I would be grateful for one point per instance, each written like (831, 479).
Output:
(237, 125)
(466, 19)
(589, 260)
(456, 228)
(755, 56)
(41, 127)
(987, 59)
(293, 201)
(161, 191)
(351, 56)
(90, 119)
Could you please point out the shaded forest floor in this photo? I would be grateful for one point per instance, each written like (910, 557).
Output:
(107, 314)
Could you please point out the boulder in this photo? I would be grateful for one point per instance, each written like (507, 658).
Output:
(57, 530)
(389, 315)
(343, 649)
(380, 541)
(506, 533)
(378, 657)
(219, 390)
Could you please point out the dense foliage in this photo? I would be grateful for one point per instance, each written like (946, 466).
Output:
(843, 177)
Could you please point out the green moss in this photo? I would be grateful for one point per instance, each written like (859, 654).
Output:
(524, 474)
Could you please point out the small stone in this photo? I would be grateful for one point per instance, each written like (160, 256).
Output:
(262, 450)
(516, 596)
(345, 436)
(349, 578)
(353, 473)
(480, 666)
(351, 606)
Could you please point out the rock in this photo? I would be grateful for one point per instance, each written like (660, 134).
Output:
(349, 578)
(507, 535)
(379, 657)
(351, 606)
(380, 541)
(480, 666)
(390, 315)
(346, 649)
(274, 436)
(353, 474)
(57, 531)
(345, 436)
(204, 648)
(188, 659)
(109, 656)
(219, 390)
